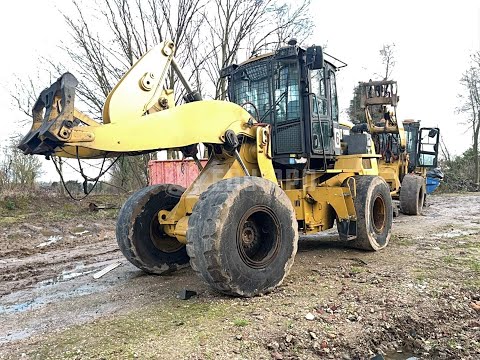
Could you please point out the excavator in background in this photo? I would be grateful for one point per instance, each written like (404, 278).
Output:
(407, 151)
(277, 166)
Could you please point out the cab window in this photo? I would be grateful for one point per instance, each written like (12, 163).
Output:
(286, 94)
(333, 95)
(318, 88)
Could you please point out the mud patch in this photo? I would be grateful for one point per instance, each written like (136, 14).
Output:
(411, 299)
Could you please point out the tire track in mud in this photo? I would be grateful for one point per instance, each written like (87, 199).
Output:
(19, 273)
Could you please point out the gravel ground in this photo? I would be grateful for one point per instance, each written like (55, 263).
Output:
(420, 297)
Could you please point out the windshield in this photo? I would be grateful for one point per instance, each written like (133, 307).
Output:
(251, 87)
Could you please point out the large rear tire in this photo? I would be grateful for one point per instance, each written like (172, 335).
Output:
(412, 194)
(242, 236)
(139, 235)
(373, 205)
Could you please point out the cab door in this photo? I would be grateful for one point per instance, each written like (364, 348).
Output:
(427, 152)
(319, 112)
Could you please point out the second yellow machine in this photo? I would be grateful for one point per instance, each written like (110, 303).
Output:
(406, 150)
(277, 166)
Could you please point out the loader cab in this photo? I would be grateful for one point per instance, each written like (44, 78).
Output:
(422, 145)
(294, 90)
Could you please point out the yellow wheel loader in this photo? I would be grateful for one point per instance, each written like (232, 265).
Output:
(406, 150)
(277, 167)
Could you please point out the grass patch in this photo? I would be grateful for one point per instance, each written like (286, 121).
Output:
(448, 259)
(474, 265)
(289, 324)
(403, 241)
(10, 219)
(55, 208)
(356, 270)
(9, 204)
(240, 322)
(143, 331)
(470, 244)
(473, 284)
(420, 277)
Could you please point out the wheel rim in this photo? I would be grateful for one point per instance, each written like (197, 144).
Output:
(258, 237)
(162, 241)
(379, 215)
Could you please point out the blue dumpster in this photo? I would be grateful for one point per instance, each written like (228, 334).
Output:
(432, 184)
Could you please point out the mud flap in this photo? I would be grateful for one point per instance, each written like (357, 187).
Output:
(347, 229)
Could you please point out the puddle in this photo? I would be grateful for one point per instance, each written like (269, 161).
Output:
(55, 289)
(50, 297)
(66, 275)
(16, 335)
(401, 356)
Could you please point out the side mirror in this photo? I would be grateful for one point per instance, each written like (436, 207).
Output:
(315, 57)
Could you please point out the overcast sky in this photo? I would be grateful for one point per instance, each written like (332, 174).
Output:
(433, 41)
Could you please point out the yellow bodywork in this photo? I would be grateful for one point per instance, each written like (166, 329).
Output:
(191, 123)
(139, 116)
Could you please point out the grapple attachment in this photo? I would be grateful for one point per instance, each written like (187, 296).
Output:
(53, 118)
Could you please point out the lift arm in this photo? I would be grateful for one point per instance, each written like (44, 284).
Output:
(377, 95)
(139, 115)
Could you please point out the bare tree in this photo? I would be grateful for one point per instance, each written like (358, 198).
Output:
(288, 21)
(101, 56)
(387, 53)
(445, 152)
(248, 25)
(24, 94)
(471, 106)
(17, 169)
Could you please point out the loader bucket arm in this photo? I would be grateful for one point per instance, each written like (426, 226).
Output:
(132, 122)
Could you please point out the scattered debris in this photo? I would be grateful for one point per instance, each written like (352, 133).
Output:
(185, 294)
(95, 207)
(83, 232)
(106, 270)
(51, 240)
(277, 356)
(475, 305)
(273, 345)
(360, 261)
(239, 337)
(310, 316)
(32, 227)
(396, 211)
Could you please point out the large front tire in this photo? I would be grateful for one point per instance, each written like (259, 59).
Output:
(373, 205)
(242, 236)
(139, 235)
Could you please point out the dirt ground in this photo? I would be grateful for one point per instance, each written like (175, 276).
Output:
(414, 299)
